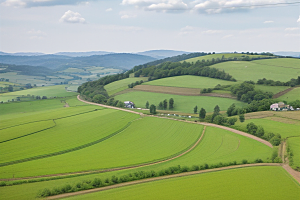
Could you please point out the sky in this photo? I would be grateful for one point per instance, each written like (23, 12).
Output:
(51, 26)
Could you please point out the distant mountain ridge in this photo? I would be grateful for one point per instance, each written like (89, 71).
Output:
(51, 61)
(288, 53)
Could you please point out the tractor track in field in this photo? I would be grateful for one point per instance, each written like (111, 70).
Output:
(114, 169)
(160, 178)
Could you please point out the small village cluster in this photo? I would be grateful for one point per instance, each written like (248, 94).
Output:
(282, 107)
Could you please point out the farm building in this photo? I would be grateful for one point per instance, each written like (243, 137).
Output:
(280, 106)
(129, 104)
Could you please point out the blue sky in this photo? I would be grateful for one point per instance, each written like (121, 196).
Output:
(51, 26)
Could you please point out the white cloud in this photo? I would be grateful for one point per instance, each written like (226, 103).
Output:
(108, 9)
(227, 36)
(211, 31)
(292, 29)
(158, 5)
(36, 34)
(72, 17)
(126, 15)
(298, 19)
(14, 3)
(186, 30)
(292, 35)
(268, 22)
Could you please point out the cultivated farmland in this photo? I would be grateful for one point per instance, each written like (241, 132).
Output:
(248, 183)
(279, 69)
(292, 95)
(182, 103)
(121, 85)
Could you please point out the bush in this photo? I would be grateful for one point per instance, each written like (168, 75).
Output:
(244, 161)
(45, 193)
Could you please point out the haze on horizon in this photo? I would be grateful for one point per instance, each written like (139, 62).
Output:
(51, 26)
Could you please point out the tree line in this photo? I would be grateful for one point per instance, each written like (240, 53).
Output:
(293, 82)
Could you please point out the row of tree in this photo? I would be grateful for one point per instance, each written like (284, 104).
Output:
(131, 85)
(293, 82)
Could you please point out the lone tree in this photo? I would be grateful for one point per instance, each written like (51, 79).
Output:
(230, 110)
(171, 103)
(202, 113)
(195, 109)
(165, 104)
(242, 118)
(216, 110)
(153, 109)
(160, 105)
(147, 104)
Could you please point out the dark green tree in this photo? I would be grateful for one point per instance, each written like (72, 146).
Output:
(242, 118)
(195, 109)
(232, 120)
(161, 105)
(147, 104)
(171, 103)
(99, 98)
(230, 110)
(202, 113)
(216, 110)
(153, 109)
(10, 88)
(252, 128)
(165, 104)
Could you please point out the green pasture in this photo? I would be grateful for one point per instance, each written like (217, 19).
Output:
(219, 55)
(6, 84)
(145, 140)
(189, 81)
(244, 183)
(292, 95)
(294, 144)
(50, 91)
(258, 69)
(272, 126)
(121, 85)
(273, 89)
(69, 132)
(184, 104)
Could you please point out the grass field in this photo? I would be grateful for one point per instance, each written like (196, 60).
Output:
(219, 55)
(273, 89)
(294, 143)
(291, 95)
(279, 69)
(189, 81)
(50, 91)
(145, 140)
(274, 125)
(121, 85)
(245, 183)
(182, 103)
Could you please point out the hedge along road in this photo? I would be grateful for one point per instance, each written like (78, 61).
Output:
(202, 123)
(159, 178)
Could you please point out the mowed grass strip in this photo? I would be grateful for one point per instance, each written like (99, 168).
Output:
(23, 130)
(273, 89)
(248, 70)
(49, 91)
(189, 81)
(168, 90)
(243, 183)
(294, 143)
(182, 103)
(146, 140)
(121, 85)
(272, 126)
(68, 133)
(292, 95)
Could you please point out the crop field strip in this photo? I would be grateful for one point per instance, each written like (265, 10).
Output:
(192, 185)
(168, 90)
(168, 136)
(11, 149)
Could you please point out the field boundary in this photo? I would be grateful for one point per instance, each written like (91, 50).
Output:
(160, 178)
(279, 94)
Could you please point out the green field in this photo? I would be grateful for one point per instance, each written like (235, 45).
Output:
(182, 103)
(189, 82)
(279, 69)
(219, 55)
(292, 95)
(273, 89)
(294, 144)
(273, 126)
(162, 138)
(50, 91)
(245, 183)
(121, 85)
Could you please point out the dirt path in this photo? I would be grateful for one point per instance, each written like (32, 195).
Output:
(292, 172)
(114, 169)
(202, 123)
(279, 94)
(160, 178)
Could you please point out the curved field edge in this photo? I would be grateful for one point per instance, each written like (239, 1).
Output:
(179, 143)
(256, 177)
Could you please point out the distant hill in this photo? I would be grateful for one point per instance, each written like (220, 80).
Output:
(26, 70)
(22, 53)
(288, 53)
(59, 62)
(80, 54)
(160, 54)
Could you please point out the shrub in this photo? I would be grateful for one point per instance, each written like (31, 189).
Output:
(45, 193)
(244, 161)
